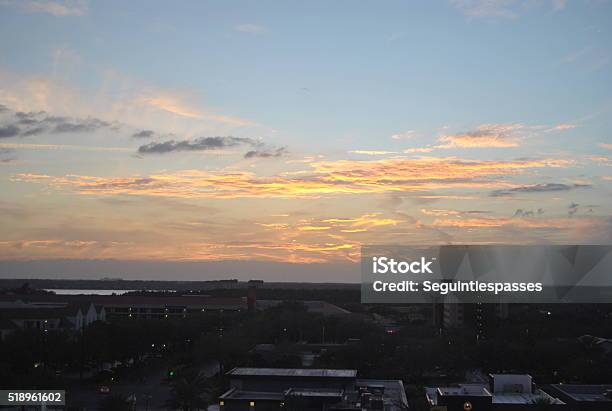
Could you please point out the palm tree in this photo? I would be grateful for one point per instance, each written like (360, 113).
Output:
(190, 391)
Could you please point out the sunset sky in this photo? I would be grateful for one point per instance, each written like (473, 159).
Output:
(272, 132)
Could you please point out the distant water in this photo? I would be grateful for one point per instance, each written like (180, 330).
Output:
(69, 291)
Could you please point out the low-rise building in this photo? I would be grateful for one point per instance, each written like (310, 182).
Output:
(312, 306)
(581, 397)
(460, 397)
(505, 392)
(309, 389)
(171, 306)
(47, 316)
(113, 307)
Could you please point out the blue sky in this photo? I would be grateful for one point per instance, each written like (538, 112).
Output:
(314, 91)
(324, 69)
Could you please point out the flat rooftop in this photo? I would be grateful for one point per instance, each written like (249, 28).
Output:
(292, 372)
(585, 393)
(474, 390)
(395, 394)
(435, 393)
(235, 394)
(314, 392)
(524, 398)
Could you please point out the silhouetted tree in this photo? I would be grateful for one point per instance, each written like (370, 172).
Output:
(190, 391)
(115, 402)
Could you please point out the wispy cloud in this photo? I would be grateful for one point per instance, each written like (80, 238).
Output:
(486, 135)
(396, 36)
(404, 135)
(560, 127)
(55, 8)
(180, 107)
(119, 98)
(250, 28)
(418, 150)
(603, 160)
(508, 9)
(172, 105)
(496, 135)
(488, 8)
(590, 58)
(559, 4)
(372, 152)
(576, 55)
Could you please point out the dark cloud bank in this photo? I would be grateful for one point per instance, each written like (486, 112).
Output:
(210, 143)
(267, 153)
(24, 124)
(538, 188)
(198, 144)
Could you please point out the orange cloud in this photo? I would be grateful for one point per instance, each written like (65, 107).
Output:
(287, 252)
(607, 161)
(418, 150)
(325, 178)
(487, 135)
(558, 223)
(52, 243)
(363, 222)
(448, 213)
(447, 197)
(275, 226)
(440, 213)
(313, 228)
(293, 252)
(559, 127)
(372, 152)
(177, 105)
(172, 105)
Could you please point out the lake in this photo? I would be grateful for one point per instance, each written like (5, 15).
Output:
(68, 291)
